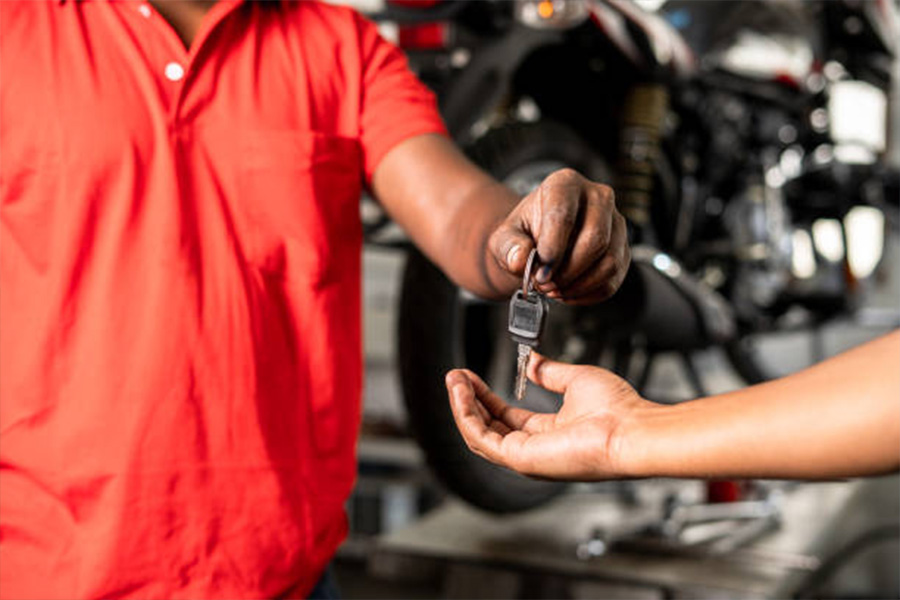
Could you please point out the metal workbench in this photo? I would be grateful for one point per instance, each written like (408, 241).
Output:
(535, 555)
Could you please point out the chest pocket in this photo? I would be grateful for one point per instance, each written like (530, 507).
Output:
(300, 194)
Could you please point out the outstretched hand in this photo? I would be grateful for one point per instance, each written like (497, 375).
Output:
(583, 441)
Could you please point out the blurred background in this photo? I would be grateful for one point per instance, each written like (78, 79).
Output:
(753, 145)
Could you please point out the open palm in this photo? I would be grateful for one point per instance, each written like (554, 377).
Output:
(577, 443)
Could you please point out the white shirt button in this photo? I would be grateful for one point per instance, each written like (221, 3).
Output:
(144, 10)
(174, 71)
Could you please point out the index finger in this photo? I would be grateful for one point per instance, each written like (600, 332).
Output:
(463, 403)
(592, 236)
(560, 202)
(481, 439)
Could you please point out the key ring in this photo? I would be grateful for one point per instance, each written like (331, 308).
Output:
(528, 280)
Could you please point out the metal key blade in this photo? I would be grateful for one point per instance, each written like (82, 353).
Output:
(522, 371)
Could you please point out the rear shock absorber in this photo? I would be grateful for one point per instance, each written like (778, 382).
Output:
(639, 146)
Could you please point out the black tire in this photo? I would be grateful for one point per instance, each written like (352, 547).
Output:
(433, 337)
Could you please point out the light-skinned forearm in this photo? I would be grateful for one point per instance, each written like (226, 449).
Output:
(836, 419)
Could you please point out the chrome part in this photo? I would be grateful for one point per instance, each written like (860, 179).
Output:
(760, 226)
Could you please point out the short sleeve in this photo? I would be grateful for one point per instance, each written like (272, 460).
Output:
(395, 105)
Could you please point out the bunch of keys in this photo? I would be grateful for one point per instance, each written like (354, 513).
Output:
(527, 313)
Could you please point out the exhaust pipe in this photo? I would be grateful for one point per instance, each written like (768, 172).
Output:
(667, 305)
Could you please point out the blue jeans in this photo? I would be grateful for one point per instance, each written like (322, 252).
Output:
(326, 588)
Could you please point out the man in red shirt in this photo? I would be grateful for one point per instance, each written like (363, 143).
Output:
(180, 273)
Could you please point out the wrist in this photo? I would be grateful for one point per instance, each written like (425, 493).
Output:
(639, 444)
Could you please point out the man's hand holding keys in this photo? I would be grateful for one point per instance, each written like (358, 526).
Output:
(580, 237)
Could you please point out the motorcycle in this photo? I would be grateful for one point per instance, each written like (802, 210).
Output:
(723, 167)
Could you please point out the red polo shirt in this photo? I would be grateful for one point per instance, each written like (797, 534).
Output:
(180, 356)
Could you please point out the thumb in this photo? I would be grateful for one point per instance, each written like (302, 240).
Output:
(550, 374)
(510, 245)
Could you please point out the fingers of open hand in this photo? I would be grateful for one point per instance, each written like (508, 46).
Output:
(513, 417)
(469, 416)
(495, 442)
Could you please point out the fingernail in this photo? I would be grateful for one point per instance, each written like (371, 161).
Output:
(543, 275)
(512, 255)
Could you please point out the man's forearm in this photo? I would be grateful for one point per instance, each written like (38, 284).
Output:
(467, 234)
(450, 210)
(836, 419)
(480, 233)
